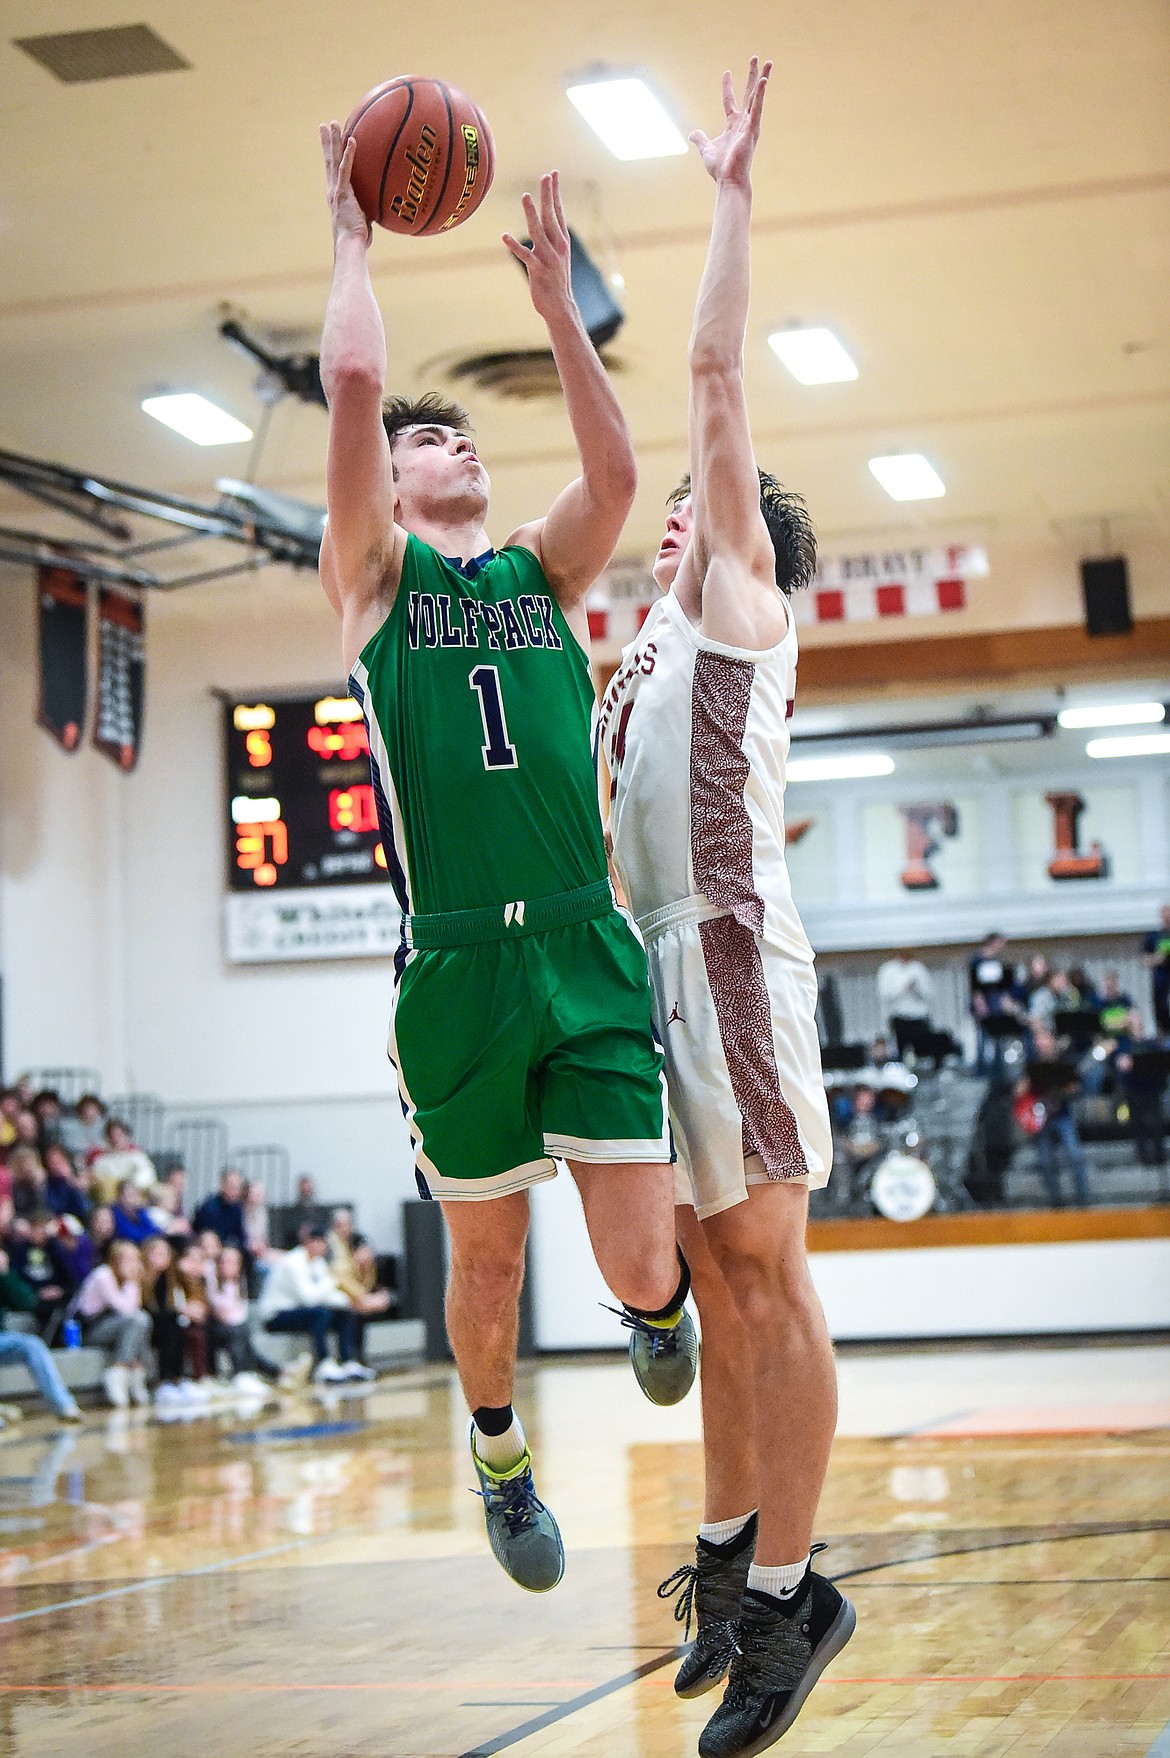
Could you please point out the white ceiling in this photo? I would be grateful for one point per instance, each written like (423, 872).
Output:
(974, 193)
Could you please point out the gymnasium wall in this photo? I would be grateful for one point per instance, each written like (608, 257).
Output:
(111, 893)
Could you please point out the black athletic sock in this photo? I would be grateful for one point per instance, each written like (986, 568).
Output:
(493, 1418)
(497, 1436)
(675, 1302)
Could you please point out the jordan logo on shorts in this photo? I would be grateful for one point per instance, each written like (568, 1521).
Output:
(675, 1014)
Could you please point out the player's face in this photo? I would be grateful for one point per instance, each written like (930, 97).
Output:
(438, 475)
(679, 523)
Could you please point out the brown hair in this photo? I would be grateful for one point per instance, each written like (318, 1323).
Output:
(789, 526)
(24, 1163)
(120, 1249)
(430, 410)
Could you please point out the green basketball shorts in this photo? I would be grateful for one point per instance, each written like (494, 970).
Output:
(524, 1033)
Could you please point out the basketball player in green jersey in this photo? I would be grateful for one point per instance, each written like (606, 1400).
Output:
(521, 1026)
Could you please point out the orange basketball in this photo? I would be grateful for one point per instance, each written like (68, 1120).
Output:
(424, 157)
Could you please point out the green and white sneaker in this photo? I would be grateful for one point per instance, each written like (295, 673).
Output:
(525, 1539)
(665, 1357)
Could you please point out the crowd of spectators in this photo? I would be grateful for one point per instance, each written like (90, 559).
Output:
(1057, 1039)
(98, 1247)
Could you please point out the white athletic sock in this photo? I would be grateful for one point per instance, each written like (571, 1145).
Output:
(779, 1580)
(500, 1451)
(723, 1531)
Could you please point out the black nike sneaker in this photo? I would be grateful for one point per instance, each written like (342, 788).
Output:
(711, 1588)
(779, 1657)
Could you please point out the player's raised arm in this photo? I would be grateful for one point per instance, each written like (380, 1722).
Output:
(731, 548)
(360, 555)
(581, 531)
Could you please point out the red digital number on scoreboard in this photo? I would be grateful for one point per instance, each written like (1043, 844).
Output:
(346, 742)
(254, 853)
(353, 808)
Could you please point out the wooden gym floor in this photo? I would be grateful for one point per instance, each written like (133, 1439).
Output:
(313, 1582)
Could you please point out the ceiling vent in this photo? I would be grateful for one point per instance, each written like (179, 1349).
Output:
(523, 374)
(120, 52)
(527, 374)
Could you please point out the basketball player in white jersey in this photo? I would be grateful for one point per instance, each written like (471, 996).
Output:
(695, 725)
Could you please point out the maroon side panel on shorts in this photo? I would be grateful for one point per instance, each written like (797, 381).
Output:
(721, 855)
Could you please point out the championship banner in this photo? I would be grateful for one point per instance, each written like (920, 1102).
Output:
(890, 583)
(121, 677)
(63, 629)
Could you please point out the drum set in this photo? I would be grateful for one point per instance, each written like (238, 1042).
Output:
(897, 1155)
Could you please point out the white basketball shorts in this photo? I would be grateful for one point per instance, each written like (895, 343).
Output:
(743, 1061)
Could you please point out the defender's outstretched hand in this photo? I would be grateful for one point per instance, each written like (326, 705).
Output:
(728, 158)
(547, 262)
(344, 207)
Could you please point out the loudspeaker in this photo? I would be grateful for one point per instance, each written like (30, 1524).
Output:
(1105, 588)
(600, 313)
(602, 316)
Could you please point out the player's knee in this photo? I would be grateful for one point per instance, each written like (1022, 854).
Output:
(762, 1283)
(643, 1290)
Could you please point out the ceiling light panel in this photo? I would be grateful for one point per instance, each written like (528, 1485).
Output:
(627, 117)
(813, 356)
(908, 476)
(1131, 745)
(1114, 714)
(848, 767)
(196, 419)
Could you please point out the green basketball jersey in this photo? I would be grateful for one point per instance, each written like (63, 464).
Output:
(480, 708)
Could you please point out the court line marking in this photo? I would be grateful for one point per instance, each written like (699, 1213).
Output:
(1086, 1529)
(291, 1687)
(1022, 1581)
(311, 1431)
(261, 1687)
(561, 1711)
(63, 1605)
(538, 1723)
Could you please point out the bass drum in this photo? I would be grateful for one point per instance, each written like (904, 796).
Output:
(902, 1188)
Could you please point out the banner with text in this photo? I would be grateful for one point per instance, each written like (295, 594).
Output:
(357, 921)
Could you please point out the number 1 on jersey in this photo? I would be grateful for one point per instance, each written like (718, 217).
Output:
(498, 753)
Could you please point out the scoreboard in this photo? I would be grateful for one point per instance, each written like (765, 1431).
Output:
(299, 803)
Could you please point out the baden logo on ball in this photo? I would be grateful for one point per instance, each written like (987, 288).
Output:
(424, 157)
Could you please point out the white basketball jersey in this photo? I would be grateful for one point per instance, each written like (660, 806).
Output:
(696, 737)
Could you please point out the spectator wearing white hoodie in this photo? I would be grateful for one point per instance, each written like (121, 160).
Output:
(301, 1295)
(905, 993)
